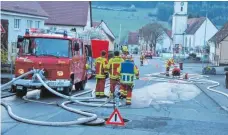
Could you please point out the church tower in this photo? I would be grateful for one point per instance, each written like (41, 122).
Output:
(179, 22)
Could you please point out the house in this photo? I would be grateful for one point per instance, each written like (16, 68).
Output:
(166, 44)
(133, 42)
(68, 15)
(107, 31)
(191, 34)
(219, 47)
(20, 16)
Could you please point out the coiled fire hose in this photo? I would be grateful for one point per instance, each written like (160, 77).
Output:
(91, 118)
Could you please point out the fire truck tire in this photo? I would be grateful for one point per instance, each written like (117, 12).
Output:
(21, 93)
(13, 89)
(44, 92)
(82, 85)
(67, 91)
(77, 86)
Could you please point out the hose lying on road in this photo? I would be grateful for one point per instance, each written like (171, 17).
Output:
(10, 82)
(91, 119)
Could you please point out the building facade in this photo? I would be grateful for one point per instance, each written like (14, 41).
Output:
(193, 33)
(107, 32)
(21, 16)
(219, 47)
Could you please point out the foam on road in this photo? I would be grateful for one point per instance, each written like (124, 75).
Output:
(163, 93)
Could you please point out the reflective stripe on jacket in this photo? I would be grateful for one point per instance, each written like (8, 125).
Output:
(100, 66)
(113, 65)
(127, 71)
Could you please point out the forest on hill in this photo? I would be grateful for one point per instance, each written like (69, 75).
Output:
(217, 11)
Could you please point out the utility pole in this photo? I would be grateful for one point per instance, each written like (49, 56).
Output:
(205, 32)
(119, 36)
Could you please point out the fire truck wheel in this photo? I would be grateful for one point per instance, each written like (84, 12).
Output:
(82, 85)
(21, 93)
(44, 92)
(13, 89)
(67, 91)
(77, 86)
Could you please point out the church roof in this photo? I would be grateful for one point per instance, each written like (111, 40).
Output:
(194, 24)
(221, 34)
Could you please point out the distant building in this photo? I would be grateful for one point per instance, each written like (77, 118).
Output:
(166, 44)
(107, 31)
(219, 47)
(133, 42)
(190, 33)
(68, 15)
(20, 16)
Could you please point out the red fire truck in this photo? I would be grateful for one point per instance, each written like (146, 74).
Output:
(62, 57)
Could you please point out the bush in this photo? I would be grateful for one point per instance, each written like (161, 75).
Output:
(4, 56)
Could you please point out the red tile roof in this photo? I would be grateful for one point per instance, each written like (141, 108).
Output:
(194, 24)
(133, 38)
(72, 13)
(23, 7)
(221, 34)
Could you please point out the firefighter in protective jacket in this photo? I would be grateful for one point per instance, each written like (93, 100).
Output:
(141, 59)
(127, 71)
(112, 67)
(168, 65)
(101, 72)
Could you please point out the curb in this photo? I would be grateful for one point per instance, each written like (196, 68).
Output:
(217, 103)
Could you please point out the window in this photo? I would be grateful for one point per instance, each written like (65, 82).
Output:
(181, 8)
(29, 23)
(17, 23)
(47, 47)
(37, 24)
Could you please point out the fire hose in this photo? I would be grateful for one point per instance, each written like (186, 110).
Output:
(91, 119)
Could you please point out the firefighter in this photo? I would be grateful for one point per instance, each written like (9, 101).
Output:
(127, 70)
(112, 67)
(168, 65)
(101, 73)
(141, 59)
(125, 52)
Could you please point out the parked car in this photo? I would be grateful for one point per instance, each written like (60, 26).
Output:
(148, 54)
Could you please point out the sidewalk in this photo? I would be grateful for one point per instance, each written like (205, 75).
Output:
(220, 99)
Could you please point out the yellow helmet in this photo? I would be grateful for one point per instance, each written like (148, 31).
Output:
(125, 49)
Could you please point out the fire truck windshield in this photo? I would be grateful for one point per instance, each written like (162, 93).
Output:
(47, 47)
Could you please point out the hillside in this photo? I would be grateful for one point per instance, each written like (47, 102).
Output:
(132, 15)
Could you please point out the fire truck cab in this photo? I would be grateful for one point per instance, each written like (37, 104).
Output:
(62, 58)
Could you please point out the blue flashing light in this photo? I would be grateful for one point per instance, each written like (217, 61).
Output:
(65, 33)
(27, 32)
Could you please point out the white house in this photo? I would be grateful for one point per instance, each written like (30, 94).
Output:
(219, 47)
(107, 31)
(68, 15)
(20, 16)
(133, 42)
(166, 44)
(190, 33)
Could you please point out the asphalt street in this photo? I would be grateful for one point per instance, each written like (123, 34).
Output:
(198, 116)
